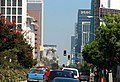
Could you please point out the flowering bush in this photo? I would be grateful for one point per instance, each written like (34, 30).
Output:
(13, 45)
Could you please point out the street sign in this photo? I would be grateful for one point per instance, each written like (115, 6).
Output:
(74, 58)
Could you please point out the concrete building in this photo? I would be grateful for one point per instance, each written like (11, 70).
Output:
(72, 42)
(50, 51)
(30, 33)
(82, 31)
(72, 48)
(35, 9)
(14, 10)
(95, 5)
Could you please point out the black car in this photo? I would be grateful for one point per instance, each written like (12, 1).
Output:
(59, 73)
(64, 79)
(84, 76)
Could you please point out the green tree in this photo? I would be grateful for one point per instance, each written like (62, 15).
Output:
(104, 52)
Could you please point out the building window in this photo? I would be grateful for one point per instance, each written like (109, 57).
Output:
(35, 38)
(8, 10)
(19, 2)
(2, 2)
(14, 2)
(13, 10)
(8, 18)
(20, 11)
(19, 28)
(8, 2)
(35, 43)
(3, 10)
(19, 19)
(35, 34)
(35, 29)
(13, 17)
(2, 16)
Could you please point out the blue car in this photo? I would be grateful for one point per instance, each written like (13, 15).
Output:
(35, 75)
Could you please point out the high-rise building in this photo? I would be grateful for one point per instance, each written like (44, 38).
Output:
(72, 42)
(99, 9)
(14, 10)
(82, 29)
(72, 48)
(95, 5)
(35, 9)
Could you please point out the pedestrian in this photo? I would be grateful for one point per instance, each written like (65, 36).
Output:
(96, 78)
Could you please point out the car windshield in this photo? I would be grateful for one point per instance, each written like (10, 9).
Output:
(39, 71)
(73, 71)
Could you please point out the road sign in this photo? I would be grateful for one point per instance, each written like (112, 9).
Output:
(74, 58)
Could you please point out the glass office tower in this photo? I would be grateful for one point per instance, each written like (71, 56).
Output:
(82, 30)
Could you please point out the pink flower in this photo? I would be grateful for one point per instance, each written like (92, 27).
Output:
(14, 21)
(18, 32)
(18, 25)
(3, 19)
(16, 40)
(8, 24)
(4, 39)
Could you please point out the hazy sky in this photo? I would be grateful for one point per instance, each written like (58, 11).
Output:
(59, 23)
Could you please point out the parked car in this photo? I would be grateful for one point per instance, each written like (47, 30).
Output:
(84, 76)
(59, 73)
(64, 79)
(35, 75)
(73, 70)
(46, 70)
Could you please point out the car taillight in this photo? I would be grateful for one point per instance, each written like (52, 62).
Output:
(79, 77)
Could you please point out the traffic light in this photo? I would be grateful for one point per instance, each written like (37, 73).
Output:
(64, 53)
(68, 57)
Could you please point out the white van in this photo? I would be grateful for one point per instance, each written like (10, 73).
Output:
(73, 70)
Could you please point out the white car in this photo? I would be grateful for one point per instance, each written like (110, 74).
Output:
(73, 70)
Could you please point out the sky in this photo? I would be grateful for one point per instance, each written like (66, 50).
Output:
(60, 17)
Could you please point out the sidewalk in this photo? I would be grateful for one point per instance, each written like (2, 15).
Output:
(24, 81)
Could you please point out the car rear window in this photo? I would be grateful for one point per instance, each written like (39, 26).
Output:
(54, 74)
(85, 73)
(36, 71)
(73, 71)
